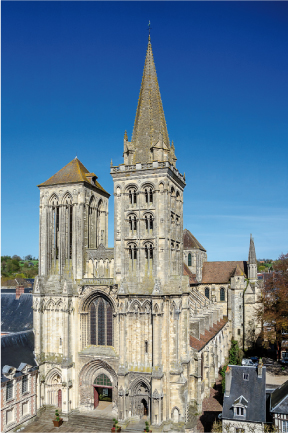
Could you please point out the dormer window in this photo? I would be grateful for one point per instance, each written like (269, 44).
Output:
(240, 406)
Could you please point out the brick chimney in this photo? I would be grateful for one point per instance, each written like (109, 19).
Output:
(19, 291)
(228, 380)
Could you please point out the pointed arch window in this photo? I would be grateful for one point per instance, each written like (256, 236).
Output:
(207, 292)
(222, 294)
(189, 259)
(92, 223)
(101, 321)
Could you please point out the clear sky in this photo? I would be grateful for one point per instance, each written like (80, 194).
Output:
(71, 74)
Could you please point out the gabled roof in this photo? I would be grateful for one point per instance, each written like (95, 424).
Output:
(192, 277)
(252, 390)
(279, 399)
(241, 400)
(190, 242)
(74, 172)
(221, 272)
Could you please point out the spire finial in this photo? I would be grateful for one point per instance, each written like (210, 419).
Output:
(149, 28)
(125, 136)
(111, 163)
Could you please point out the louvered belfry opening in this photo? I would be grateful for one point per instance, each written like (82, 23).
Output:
(101, 323)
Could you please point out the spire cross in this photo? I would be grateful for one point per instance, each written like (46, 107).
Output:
(149, 28)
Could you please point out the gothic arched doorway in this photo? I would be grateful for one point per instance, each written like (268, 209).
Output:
(140, 398)
(102, 389)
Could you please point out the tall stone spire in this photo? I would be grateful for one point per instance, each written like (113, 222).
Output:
(150, 139)
(252, 254)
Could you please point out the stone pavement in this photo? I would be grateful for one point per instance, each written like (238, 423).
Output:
(211, 407)
(45, 423)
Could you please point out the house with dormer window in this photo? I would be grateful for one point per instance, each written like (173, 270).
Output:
(244, 405)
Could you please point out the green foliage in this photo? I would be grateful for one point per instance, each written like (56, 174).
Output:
(217, 427)
(235, 358)
(14, 267)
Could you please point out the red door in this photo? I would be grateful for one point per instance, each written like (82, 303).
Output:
(60, 398)
(96, 398)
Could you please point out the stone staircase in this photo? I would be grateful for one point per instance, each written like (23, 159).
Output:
(91, 423)
(135, 426)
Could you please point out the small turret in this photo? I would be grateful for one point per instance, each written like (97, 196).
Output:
(252, 261)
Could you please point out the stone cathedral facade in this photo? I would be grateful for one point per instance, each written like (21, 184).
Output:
(127, 322)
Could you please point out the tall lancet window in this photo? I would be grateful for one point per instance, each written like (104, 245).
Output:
(132, 257)
(101, 323)
(54, 238)
(92, 224)
(149, 256)
(68, 221)
(132, 223)
(132, 196)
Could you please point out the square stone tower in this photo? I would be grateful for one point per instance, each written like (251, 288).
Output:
(148, 191)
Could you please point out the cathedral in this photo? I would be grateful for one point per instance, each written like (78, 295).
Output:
(145, 325)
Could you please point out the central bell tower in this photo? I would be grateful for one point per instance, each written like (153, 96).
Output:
(148, 198)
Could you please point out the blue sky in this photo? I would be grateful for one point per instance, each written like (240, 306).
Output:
(71, 74)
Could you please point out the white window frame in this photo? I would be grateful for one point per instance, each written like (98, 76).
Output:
(245, 376)
(239, 409)
(284, 426)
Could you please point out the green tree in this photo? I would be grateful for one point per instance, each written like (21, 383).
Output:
(235, 358)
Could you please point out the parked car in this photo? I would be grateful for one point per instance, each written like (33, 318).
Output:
(247, 362)
(255, 360)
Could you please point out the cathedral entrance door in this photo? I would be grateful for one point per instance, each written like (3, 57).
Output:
(96, 397)
(145, 407)
(59, 398)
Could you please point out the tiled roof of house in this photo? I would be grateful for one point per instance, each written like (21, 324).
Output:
(253, 390)
(74, 172)
(208, 335)
(221, 272)
(192, 277)
(190, 242)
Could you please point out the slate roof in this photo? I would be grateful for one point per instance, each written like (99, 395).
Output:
(221, 272)
(208, 335)
(17, 348)
(74, 172)
(192, 277)
(279, 399)
(16, 314)
(253, 390)
(190, 242)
